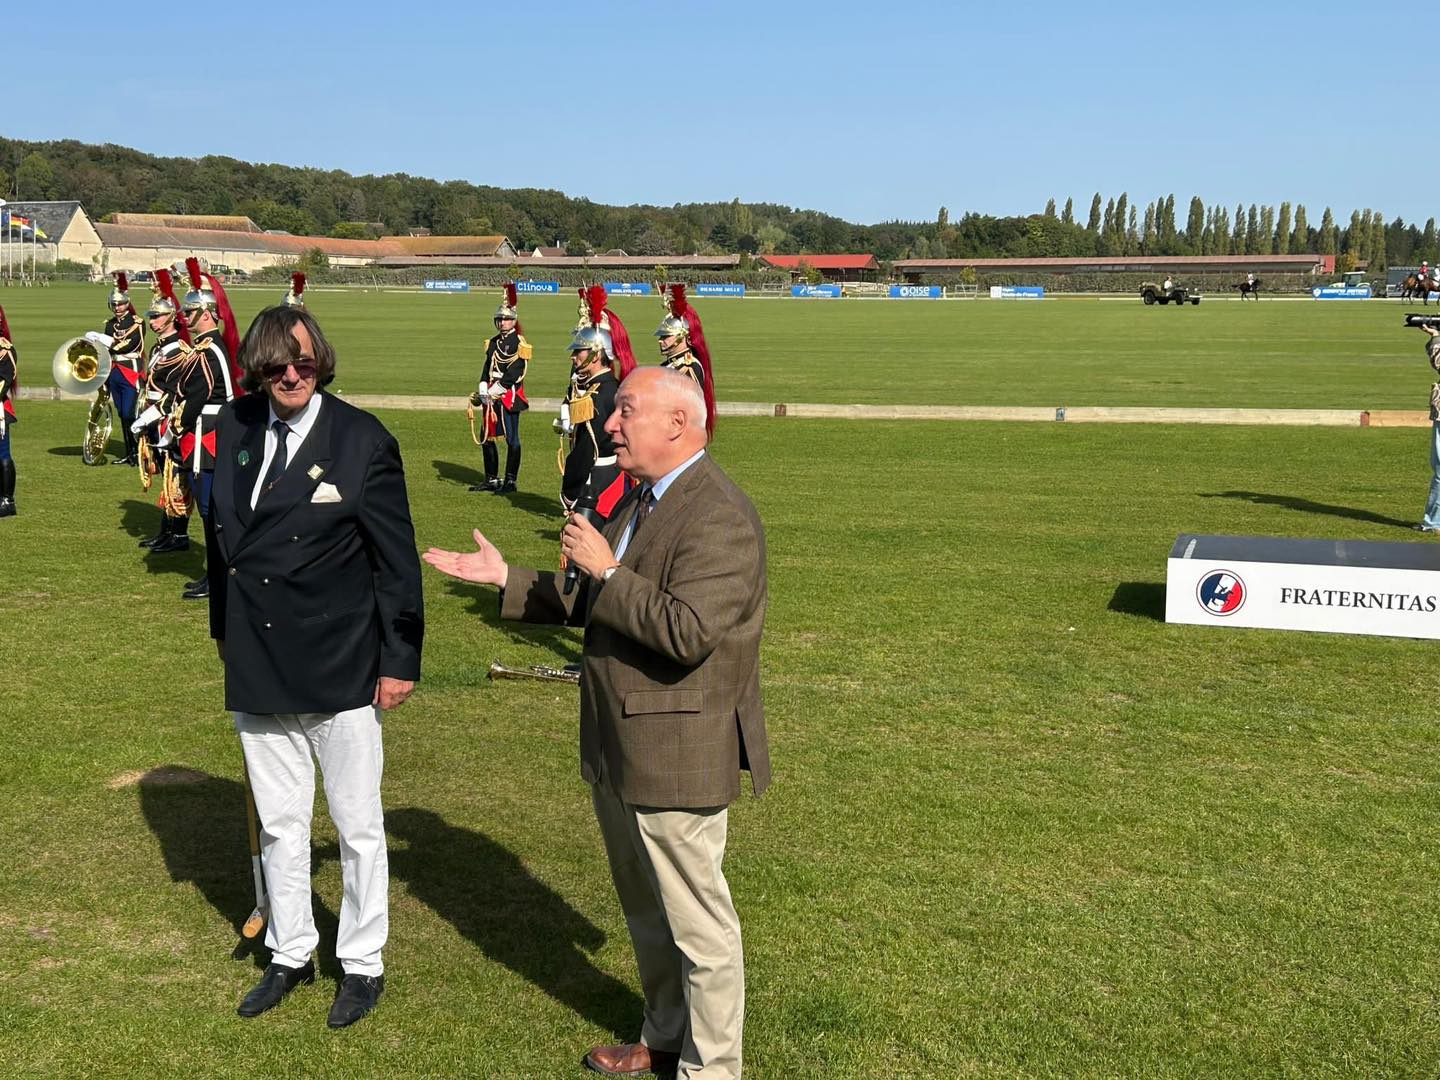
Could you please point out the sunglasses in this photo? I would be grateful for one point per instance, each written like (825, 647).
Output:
(304, 369)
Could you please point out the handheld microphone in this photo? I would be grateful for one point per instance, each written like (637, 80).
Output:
(587, 506)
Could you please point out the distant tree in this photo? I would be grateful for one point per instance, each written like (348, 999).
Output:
(1147, 234)
(1329, 235)
(1122, 215)
(314, 261)
(577, 248)
(1068, 214)
(1239, 237)
(1428, 240)
(349, 230)
(920, 249)
(942, 219)
(1093, 227)
(1344, 263)
(1265, 245)
(811, 275)
(35, 179)
(651, 242)
(1300, 237)
(1050, 208)
(1252, 231)
(1220, 242)
(1165, 226)
(1282, 230)
(6, 191)
(1378, 254)
(722, 235)
(1356, 239)
(1132, 233)
(1107, 229)
(1195, 225)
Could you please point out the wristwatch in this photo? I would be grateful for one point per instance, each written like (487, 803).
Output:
(609, 572)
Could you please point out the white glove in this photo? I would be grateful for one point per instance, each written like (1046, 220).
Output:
(497, 391)
(483, 389)
(145, 419)
(97, 338)
(168, 439)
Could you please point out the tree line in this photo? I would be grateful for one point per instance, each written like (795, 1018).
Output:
(318, 202)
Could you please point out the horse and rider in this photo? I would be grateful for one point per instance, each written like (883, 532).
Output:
(1249, 288)
(1421, 283)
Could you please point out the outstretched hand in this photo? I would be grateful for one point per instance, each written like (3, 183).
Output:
(484, 565)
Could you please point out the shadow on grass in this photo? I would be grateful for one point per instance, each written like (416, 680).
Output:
(141, 519)
(199, 822)
(1143, 598)
(1293, 502)
(481, 600)
(454, 473)
(484, 891)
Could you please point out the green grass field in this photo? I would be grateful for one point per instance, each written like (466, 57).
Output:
(1073, 352)
(1021, 826)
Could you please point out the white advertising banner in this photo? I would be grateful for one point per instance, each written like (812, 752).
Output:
(1338, 587)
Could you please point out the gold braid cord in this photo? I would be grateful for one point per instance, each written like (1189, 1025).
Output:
(470, 414)
(174, 498)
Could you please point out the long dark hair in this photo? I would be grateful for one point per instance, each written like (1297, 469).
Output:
(271, 340)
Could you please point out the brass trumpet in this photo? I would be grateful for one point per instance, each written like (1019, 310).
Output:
(535, 671)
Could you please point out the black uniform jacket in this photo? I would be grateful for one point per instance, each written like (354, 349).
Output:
(314, 600)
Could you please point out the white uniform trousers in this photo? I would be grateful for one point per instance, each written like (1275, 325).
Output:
(666, 865)
(278, 754)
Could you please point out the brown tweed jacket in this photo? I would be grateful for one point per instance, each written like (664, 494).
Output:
(670, 683)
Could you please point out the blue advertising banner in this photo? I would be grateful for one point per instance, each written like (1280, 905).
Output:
(447, 286)
(1341, 292)
(628, 288)
(823, 292)
(1016, 292)
(916, 292)
(710, 288)
(537, 286)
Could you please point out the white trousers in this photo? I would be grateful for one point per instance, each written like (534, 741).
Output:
(666, 865)
(280, 754)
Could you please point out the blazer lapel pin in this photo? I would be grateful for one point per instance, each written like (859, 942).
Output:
(243, 458)
(315, 472)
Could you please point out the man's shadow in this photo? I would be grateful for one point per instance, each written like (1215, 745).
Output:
(451, 472)
(563, 641)
(485, 892)
(1292, 502)
(141, 519)
(199, 822)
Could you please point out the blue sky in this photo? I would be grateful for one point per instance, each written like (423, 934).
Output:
(870, 111)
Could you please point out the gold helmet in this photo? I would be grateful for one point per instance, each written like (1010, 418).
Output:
(201, 296)
(162, 297)
(508, 305)
(120, 294)
(673, 324)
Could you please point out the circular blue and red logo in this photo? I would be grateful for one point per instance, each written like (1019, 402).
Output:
(1221, 592)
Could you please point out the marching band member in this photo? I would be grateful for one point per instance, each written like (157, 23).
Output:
(502, 395)
(599, 342)
(682, 344)
(206, 381)
(171, 343)
(126, 343)
(296, 296)
(9, 371)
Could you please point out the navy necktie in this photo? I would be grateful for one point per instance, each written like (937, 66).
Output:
(647, 502)
(280, 460)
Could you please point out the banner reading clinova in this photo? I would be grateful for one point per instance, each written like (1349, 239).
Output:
(1330, 586)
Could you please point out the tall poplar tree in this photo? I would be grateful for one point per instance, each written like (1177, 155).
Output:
(1147, 236)
(1300, 238)
(1329, 235)
(1237, 244)
(1195, 226)
(1093, 225)
(1068, 216)
(1282, 230)
(1050, 209)
(1266, 245)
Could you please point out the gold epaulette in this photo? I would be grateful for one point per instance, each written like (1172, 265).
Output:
(582, 409)
(5, 344)
(525, 349)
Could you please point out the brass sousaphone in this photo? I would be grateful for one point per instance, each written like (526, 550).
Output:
(80, 366)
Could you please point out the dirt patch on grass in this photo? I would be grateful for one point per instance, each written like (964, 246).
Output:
(162, 775)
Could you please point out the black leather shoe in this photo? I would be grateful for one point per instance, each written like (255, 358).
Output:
(7, 507)
(201, 580)
(125, 461)
(357, 997)
(506, 488)
(273, 986)
(200, 591)
(151, 541)
(167, 544)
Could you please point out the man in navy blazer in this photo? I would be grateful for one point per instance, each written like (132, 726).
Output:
(315, 607)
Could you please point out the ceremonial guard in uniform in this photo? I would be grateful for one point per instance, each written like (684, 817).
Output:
(599, 351)
(206, 380)
(501, 394)
(9, 372)
(157, 444)
(683, 346)
(296, 296)
(125, 336)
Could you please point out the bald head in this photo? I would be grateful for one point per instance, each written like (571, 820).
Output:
(658, 422)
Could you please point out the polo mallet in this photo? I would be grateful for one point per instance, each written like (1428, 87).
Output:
(255, 924)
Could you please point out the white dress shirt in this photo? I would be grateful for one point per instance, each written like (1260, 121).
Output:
(300, 426)
(657, 491)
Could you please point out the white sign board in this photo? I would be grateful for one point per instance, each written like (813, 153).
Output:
(1338, 587)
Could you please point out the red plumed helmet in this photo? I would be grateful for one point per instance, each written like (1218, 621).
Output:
(192, 268)
(297, 283)
(122, 281)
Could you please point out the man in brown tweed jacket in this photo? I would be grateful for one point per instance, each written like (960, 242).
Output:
(673, 605)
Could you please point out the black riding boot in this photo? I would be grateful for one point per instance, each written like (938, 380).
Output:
(176, 536)
(160, 537)
(512, 470)
(492, 468)
(7, 488)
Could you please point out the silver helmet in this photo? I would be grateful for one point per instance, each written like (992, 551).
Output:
(673, 326)
(160, 304)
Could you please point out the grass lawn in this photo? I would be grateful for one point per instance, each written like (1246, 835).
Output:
(1021, 826)
(1073, 352)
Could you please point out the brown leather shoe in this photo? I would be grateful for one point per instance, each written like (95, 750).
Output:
(632, 1059)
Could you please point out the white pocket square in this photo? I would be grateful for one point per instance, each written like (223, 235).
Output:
(326, 493)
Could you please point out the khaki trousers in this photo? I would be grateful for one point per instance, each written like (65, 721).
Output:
(666, 865)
